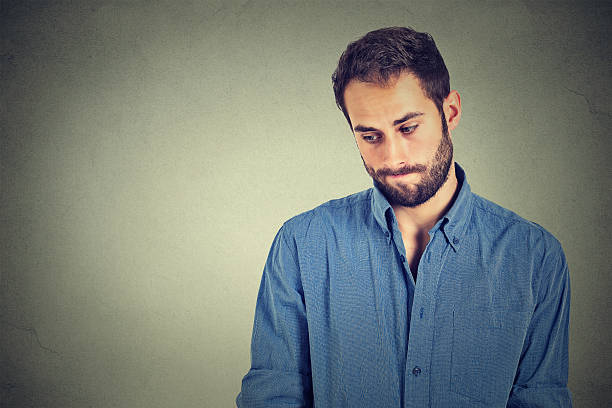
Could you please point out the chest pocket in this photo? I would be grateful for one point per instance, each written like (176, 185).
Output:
(486, 348)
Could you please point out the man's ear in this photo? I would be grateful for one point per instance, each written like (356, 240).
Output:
(452, 109)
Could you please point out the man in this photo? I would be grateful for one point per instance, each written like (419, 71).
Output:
(416, 292)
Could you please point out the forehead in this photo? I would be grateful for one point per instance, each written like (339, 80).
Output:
(369, 103)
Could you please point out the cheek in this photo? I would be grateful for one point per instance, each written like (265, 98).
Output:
(365, 150)
(422, 149)
(370, 155)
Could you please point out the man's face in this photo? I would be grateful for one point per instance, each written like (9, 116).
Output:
(402, 137)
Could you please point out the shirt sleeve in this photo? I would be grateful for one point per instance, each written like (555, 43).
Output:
(280, 359)
(541, 379)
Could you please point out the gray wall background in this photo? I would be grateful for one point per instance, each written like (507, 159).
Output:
(150, 150)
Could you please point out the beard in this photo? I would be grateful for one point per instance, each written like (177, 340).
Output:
(434, 175)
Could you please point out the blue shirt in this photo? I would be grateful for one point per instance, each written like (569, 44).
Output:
(340, 321)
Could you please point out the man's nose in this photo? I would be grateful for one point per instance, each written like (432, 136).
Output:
(395, 151)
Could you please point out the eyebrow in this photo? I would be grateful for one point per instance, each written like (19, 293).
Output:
(408, 116)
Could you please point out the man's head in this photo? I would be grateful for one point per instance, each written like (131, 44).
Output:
(383, 54)
(393, 88)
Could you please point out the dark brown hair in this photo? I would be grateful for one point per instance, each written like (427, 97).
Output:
(385, 53)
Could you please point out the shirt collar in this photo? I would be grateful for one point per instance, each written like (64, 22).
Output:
(380, 209)
(453, 224)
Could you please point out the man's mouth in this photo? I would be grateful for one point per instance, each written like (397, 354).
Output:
(404, 173)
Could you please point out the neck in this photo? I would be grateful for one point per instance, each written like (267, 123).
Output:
(419, 219)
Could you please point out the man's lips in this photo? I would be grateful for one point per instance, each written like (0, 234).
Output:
(398, 175)
(401, 172)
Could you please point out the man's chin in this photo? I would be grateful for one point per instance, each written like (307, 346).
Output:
(404, 183)
(397, 193)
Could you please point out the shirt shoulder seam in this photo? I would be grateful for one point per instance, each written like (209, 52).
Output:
(512, 217)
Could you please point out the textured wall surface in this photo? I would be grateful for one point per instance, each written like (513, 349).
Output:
(150, 150)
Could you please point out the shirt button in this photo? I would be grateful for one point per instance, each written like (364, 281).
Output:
(403, 258)
(416, 371)
(455, 240)
(386, 233)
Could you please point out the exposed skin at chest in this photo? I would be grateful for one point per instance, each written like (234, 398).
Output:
(414, 244)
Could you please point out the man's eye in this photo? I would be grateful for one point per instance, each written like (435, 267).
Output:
(371, 138)
(408, 129)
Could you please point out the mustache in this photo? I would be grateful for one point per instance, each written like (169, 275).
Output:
(407, 169)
